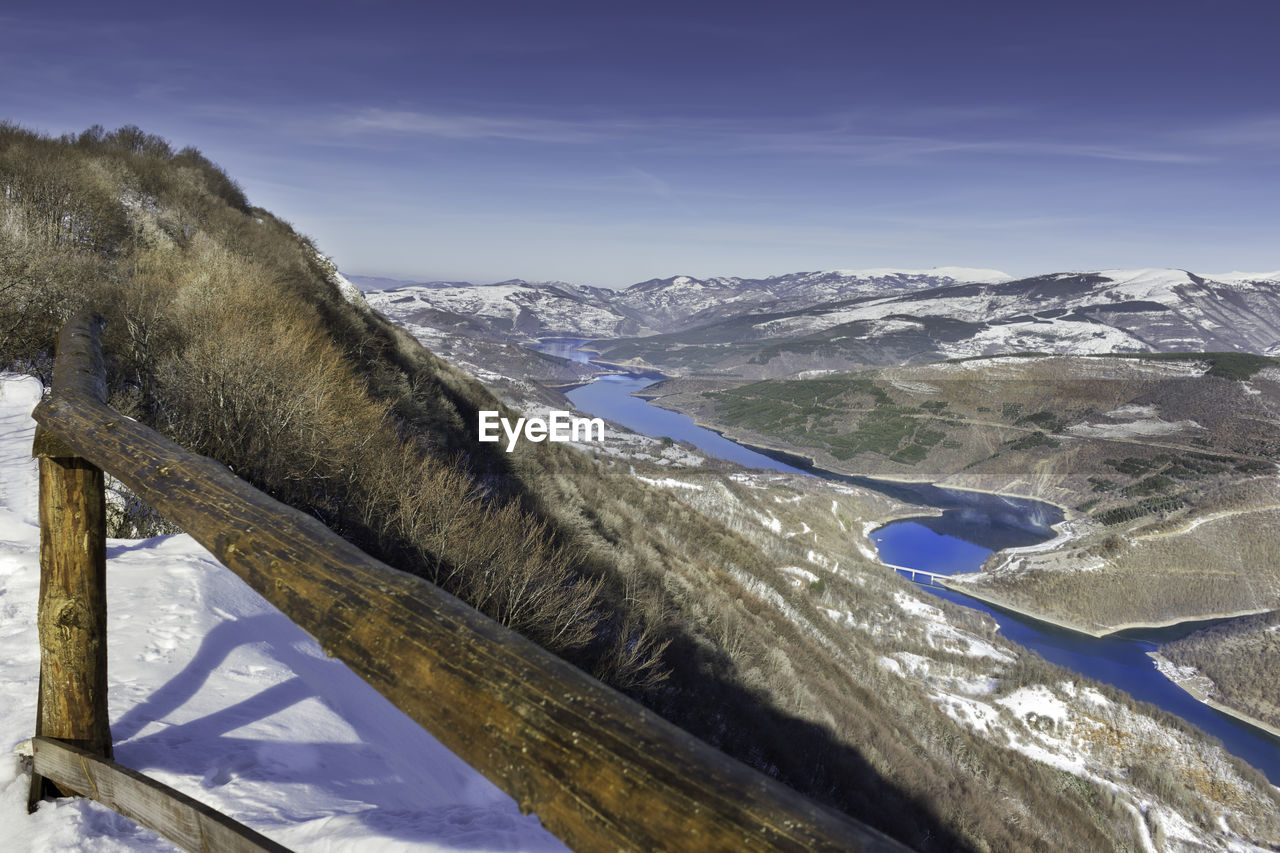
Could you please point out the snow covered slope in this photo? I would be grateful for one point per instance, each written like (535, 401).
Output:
(213, 691)
(1108, 311)
(525, 310)
(1145, 310)
(520, 310)
(682, 302)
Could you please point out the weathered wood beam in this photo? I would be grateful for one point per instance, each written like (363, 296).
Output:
(72, 607)
(188, 823)
(72, 613)
(601, 771)
(78, 367)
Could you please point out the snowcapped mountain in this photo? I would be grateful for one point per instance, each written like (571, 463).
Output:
(1108, 311)
(1245, 277)
(1145, 310)
(683, 302)
(517, 309)
(523, 310)
(841, 318)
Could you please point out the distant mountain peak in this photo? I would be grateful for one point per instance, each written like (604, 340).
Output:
(1245, 277)
(960, 275)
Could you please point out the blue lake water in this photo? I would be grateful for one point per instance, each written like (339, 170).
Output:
(971, 527)
(1119, 659)
(917, 546)
(610, 397)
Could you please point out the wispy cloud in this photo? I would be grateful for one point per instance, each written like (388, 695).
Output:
(871, 147)
(828, 136)
(445, 126)
(1252, 132)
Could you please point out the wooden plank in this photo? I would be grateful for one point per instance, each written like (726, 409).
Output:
(186, 822)
(78, 367)
(601, 771)
(72, 609)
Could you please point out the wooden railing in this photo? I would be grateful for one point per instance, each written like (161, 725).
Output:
(600, 771)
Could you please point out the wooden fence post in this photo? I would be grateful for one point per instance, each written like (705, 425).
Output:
(72, 614)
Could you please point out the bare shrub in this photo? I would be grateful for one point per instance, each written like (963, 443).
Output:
(129, 517)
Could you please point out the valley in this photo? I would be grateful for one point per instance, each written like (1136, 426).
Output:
(1167, 471)
(959, 539)
(1143, 402)
(1098, 393)
(787, 513)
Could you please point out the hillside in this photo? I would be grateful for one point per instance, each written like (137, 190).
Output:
(1235, 664)
(744, 607)
(489, 328)
(1166, 464)
(516, 310)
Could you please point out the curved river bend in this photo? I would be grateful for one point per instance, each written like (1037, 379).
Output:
(971, 527)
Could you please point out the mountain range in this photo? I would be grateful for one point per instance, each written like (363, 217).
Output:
(781, 325)
(547, 308)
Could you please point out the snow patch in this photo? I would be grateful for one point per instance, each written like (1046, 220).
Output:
(214, 692)
(770, 523)
(1035, 703)
(1132, 429)
(797, 576)
(667, 482)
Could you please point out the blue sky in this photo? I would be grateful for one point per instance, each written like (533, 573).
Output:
(607, 143)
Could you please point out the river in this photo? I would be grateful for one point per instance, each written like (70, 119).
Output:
(972, 526)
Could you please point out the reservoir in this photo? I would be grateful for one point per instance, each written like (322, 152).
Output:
(1118, 659)
(971, 527)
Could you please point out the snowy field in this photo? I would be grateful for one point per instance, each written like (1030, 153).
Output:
(214, 692)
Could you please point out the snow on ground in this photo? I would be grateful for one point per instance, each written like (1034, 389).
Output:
(509, 303)
(1244, 277)
(941, 634)
(864, 543)
(820, 559)
(1054, 335)
(1036, 702)
(1173, 671)
(1188, 678)
(797, 576)
(770, 522)
(961, 275)
(974, 713)
(626, 445)
(214, 692)
(349, 291)
(914, 387)
(667, 482)
(1153, 284)
(1133, 429)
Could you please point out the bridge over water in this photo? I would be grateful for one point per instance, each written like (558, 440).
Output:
(920, 576)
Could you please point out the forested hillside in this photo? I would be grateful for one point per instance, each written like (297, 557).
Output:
(231, 333)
